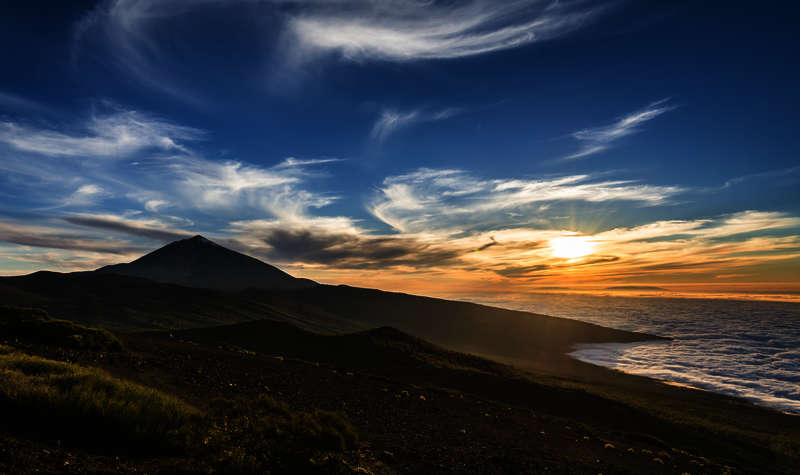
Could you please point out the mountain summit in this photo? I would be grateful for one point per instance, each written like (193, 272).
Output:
(198, 262)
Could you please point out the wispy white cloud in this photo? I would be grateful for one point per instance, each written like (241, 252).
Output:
(410, 30)
(729, 225)
(234, 185)
(154, 206)
(395, 30)
(598, 139)
(428, 198)
(163, 171)
(120, 134)
(769, 174)
(749, 221)
(445, 221)
(302, 162)
(392, 120)
(89, 190)
(84, 195)
(216, 180)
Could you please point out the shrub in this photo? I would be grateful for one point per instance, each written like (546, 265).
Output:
(33, 325)
(57, 399)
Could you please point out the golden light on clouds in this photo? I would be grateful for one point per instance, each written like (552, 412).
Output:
(571, 247)
(722, 253)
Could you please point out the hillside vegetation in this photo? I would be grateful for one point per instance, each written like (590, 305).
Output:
(60, 400)
(267, 397)
(34, 325)
(87, 407)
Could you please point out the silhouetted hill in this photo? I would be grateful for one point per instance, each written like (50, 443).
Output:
(381, 350)
(462, 326)
(129, 303)
(122, 302)
(198, 262)
(420, 407)
(135, 297)
(204, 298)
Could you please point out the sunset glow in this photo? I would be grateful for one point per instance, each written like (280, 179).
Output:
(571, 247)
(345, 156)
(400, 236)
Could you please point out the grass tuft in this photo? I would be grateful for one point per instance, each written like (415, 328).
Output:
(60, 400)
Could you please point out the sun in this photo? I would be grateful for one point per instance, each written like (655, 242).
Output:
(571, 247)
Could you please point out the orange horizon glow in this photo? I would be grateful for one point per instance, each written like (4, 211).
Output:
(646, 259)
(731, 255)
(490, 292)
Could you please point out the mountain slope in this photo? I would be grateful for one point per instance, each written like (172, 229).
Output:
(198, 262)
(216, 286)
(416, 408)
(461, 326)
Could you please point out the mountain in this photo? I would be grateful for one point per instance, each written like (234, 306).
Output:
(195, 283)
(461, 326)
(198, 262)
(386, 360)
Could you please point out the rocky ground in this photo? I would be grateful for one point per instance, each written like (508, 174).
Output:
(403, 427)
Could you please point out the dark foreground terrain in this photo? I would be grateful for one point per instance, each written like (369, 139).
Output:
(266, 396)
(198, 359)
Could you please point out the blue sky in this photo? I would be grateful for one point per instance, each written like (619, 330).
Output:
(412, 144)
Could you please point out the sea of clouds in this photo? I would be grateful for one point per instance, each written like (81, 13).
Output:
(748, 349)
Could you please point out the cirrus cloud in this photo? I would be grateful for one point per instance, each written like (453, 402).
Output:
(598, 139)
(414, 30)
(119, 134)
(358, 30)
(434, 199)
(392, 120)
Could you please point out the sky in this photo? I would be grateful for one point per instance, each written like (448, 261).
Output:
(472, 148)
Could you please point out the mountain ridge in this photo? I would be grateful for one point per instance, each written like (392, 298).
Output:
(201, 263)
(174, 287)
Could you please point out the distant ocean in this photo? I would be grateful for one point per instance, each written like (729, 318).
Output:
(749, 349)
